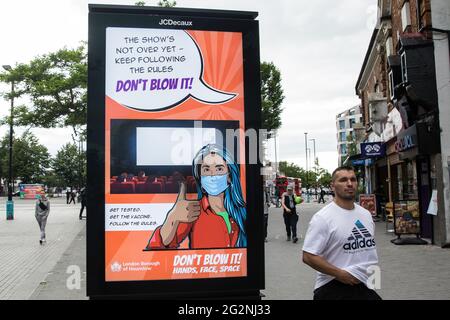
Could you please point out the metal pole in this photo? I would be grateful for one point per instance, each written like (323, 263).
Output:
(315, 165)
(10, 203)
(306, 154)
(79, 165)
(314, 141)
(276, 160)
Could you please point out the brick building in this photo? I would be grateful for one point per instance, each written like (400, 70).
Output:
(401, 108)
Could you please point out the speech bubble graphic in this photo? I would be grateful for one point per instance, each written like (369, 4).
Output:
(156, 69)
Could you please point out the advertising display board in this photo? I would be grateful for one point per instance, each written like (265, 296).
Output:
(172, 95)
(407, 217)
(368, 202)
(31, 191)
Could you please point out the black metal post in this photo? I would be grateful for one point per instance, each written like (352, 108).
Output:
(11, 144)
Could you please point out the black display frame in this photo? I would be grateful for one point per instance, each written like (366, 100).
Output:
(101, 17)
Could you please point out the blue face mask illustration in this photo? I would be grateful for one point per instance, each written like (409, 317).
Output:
(215, 185)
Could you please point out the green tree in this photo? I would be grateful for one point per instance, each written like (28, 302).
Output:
(290, 169)
(30, 158)
(351, 145)
(310, 179)
(140, 3)
(69, 165)
(271, 96)
(52, 180)
(325, 178)
(56, 84)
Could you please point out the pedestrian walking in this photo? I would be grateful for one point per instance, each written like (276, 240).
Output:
(42, 211)
(322, 196)
(68, 192)
(83, 197)
(340, 244)
(266, 212)
(290, 214)
(277, 197)
(73, 194)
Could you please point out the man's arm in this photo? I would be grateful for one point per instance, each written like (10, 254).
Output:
(320, 264)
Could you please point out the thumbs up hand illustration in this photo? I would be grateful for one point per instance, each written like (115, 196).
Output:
(184, 210)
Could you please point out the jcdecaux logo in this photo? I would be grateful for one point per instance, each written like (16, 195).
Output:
(170, 22)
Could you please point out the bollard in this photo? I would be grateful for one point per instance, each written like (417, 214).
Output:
(9, 210)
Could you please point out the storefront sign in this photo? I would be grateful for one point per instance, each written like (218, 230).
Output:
(406, 139)
(163, 98)
(373, 149)
(359, 162)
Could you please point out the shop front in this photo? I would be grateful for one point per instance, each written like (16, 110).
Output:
(413, 180)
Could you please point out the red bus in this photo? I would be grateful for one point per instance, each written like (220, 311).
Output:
(282, 182)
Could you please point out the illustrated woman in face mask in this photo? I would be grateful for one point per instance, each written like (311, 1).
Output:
(217, 218)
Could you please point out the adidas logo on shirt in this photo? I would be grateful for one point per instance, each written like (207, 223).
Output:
(360, 238)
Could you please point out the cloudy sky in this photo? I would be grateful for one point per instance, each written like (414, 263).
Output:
(318, 46)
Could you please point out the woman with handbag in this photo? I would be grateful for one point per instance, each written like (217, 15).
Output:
(41, 213)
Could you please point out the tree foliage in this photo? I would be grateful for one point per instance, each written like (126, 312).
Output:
(271, 96)
(351, 145)
(56, 85)
(69, 165)
(290, 169)
(30, 158)
(310, 179)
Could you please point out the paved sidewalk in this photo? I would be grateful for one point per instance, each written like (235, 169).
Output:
(24, 263)
(71, 267)
(29, 271)
(407, 272)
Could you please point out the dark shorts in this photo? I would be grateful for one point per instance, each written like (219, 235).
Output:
(335, 290)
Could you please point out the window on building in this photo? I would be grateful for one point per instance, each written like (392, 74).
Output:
(376, 89)
(406, 16)
(342, 136)
(391, 84)
(341, 124)
(404, 67)
(389, 47)
(352, 122)
(343, 149)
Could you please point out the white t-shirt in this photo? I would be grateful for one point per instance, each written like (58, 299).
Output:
(345, 238)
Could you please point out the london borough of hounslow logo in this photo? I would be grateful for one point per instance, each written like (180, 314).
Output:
(359, 239)
(116, 267)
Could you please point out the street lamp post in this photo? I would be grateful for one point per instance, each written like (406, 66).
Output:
(315, 165)
(276, 159)
(10, 203)
(306, 154)
(314, 148)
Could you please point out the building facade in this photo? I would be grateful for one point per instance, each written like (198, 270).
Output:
(403, 87)
(345, 125)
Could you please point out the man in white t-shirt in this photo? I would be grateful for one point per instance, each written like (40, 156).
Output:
(340, 244)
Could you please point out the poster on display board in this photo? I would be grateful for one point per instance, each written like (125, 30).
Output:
(407, 217)
(31, 191)
(369, 202)
(170, 103)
